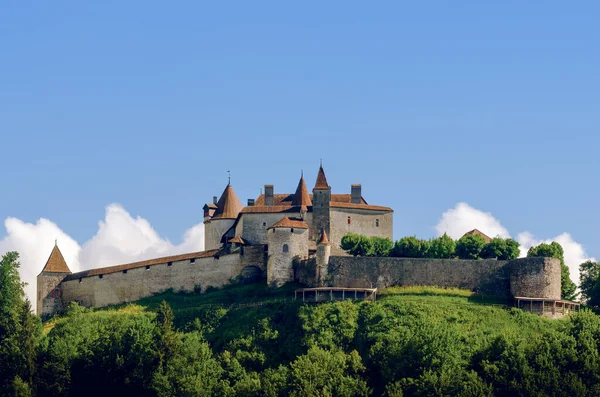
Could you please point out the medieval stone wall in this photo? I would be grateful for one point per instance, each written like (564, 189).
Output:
(47, 282)
(532, 277)
(214, 230)
(280, 263)
(114, 288)
(361, 222)
(253, 227)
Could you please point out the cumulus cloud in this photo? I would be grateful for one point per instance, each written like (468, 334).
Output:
(458, 220)
(574, 252)
(462, 218)
(121, 238)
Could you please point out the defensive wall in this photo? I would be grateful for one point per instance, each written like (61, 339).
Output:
(118, 286)
(529, 277)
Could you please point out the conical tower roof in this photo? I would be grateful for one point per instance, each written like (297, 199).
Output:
(323, 239)
(56, 262)
(229, 205)
(321, 182)
(301, 197)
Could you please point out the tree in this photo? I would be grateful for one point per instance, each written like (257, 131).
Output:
(17, 330)
(501, 248)
(589, 282)
(442, 247)
(381, 246)
(470, 246)
(555, 250)
(356, 244)
(410, 247)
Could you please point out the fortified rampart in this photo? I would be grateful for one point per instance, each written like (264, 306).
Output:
(129, 285)
(532, 277)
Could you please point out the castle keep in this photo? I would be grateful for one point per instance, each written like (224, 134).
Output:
(286, 237)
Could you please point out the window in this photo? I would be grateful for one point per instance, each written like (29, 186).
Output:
(125, 271)
(100, 276)
(348, 220)
(376, 222)
(56, 293)
(292, 230)
(80, 280)
(147, 267)
(170, 264)
(264, 224)
(285, 248)
(193, 260)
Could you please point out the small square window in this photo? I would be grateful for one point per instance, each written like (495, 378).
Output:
(100, 276)
(125, 271)
(170, 264)
(292, 230)
(348, 220)
(80, 280)
(147, 267)
(264, 224)
(193, 260)
(376, 222)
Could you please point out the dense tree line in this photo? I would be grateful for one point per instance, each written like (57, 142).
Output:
(471, 246)
(392, 347)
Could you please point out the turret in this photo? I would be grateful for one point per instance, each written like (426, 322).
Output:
(288, 240)
(221, 219)
(302, 198)
(323, 253)
(49, 291)
(321, 201)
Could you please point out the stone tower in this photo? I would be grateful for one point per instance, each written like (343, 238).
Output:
(288, 240)
(227, 209)
(321, 205)
(49, 292)
(323, 253)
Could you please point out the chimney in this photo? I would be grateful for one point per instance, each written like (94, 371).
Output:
(356, 193)
(269, 199)
(215, 200)
(250, 202)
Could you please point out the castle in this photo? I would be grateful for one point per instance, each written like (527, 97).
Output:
(293, 237)
(267, 236)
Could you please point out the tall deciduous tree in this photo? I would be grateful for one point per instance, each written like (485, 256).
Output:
(589, 282)
(410, 247)
(442, 247)
(501, 248)
(470, 246)
(555, 250)
(356, 244)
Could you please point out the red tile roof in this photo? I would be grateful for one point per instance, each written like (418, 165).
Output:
(237, 239)
(56, 262)
(475, 231)
(291, 223)
(321, 182)
(149, 262)
(301, 197)
(361, 207)
(229, 205)
(323, 239)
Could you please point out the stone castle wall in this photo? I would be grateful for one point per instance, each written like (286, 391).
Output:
(280, 264)
(214, 230)
(254, 227)
(532, 277)
(361, 222)
(119, 287)
(46, 283)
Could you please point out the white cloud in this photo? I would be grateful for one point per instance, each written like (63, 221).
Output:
(120, 239)
(574, 252)
(463, 218)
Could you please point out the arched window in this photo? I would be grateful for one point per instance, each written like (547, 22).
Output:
(285, 248)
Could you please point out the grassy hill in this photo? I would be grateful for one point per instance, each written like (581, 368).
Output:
(411, 341)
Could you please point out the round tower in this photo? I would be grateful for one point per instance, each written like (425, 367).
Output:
(323, 253)
(227, 209)
(288, 241)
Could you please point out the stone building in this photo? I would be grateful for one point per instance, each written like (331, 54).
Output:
(264, 238)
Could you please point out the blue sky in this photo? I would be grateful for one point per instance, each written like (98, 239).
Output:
(427, 104)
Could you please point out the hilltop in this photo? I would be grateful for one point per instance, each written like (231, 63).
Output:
(249, 340)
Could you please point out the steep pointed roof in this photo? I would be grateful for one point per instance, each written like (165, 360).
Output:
(301, 197)
(56, 262)
(321, 182)
(291, 223)
(323, 239)
(479, 232)
(229, 205)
